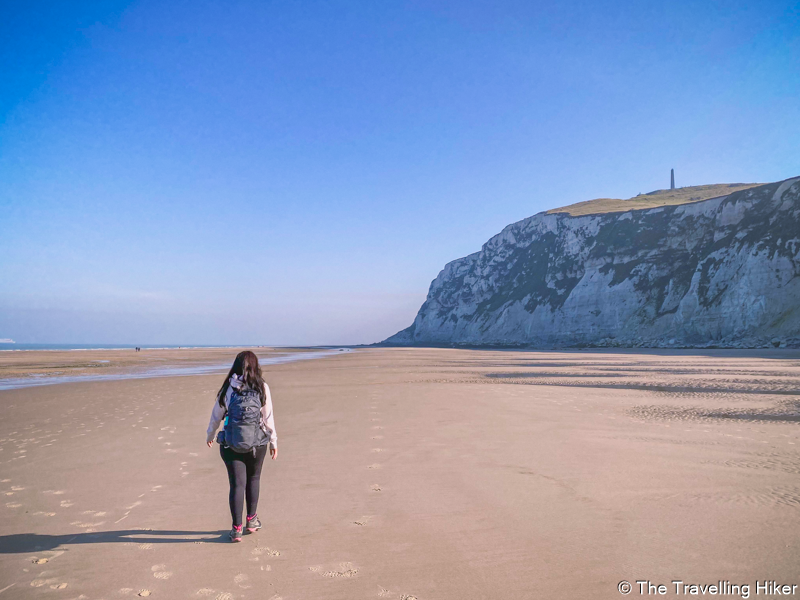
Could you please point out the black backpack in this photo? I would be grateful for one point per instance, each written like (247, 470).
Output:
(242, 432)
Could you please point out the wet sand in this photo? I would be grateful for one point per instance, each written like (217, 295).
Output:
(44, 366)
(415, 473)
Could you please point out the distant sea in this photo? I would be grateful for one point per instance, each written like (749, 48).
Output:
(5, 346)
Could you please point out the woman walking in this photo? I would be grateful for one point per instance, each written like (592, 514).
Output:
(249, 431)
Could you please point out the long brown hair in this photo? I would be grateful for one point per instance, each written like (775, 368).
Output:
(249, 371)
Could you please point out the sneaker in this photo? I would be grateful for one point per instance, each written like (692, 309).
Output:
(253, 524)
(236, 533)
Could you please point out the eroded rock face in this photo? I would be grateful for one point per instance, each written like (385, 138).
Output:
(721, 272)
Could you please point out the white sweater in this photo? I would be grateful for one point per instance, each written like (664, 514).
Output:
(267, 420)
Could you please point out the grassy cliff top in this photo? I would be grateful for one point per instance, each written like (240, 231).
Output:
(682, 195)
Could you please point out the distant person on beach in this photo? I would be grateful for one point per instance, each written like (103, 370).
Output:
(249, 431)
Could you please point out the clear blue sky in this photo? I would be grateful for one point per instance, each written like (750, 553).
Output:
(298, 172)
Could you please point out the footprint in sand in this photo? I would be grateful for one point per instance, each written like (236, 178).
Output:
(362, 521)
(43, 582)
(375, 487)
(377, 437)
(66, 503)
(145, 546)
(86, 525)
(345, 570)
(377, 450)
(377, 427)
(41, 560)
(241, 580)
(206, 592)
(408, 597)
(160, 572)
(13, 504)
(17, 488)
(60, 586)
(374, 466)
(144, 593)
(259, 550)
(40, 513)
(383, 592)
(53, 554)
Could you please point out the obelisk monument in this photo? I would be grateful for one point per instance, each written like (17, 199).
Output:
(672, 179)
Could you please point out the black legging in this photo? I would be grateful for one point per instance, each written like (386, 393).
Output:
(244, 475)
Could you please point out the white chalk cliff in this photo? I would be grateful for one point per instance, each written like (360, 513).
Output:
(723, 272)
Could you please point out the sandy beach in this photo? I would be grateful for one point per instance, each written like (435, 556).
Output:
(434, 474)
